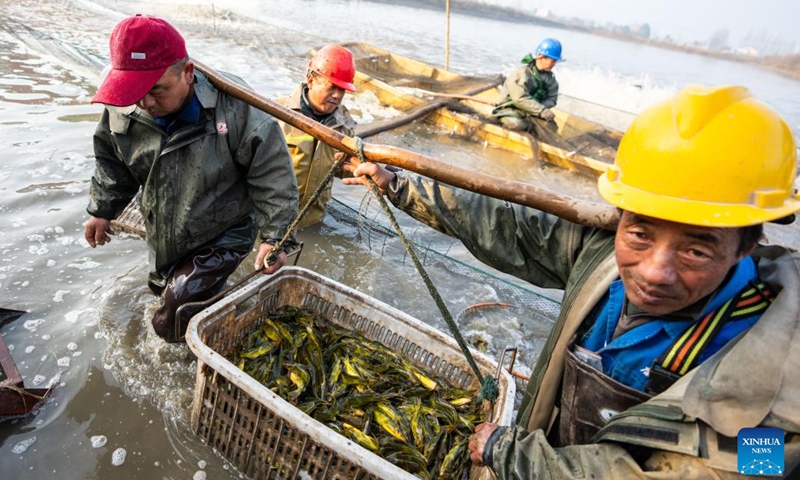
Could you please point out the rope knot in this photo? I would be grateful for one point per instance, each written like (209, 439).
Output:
(488, 390)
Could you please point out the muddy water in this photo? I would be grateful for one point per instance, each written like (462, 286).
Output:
(120, 401)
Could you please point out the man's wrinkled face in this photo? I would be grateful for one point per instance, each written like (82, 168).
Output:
(169, 94)
(667, 266)
(323, 96)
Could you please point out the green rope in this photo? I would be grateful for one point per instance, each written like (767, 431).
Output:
(488, 389)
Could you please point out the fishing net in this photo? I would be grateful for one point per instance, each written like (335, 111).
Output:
(434, 248)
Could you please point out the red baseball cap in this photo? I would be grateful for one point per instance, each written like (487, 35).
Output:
(142, 48)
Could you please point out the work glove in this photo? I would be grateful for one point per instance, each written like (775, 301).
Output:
(547, 114)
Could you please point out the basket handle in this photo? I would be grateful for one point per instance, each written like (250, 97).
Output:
(513, 351)
(188, 310)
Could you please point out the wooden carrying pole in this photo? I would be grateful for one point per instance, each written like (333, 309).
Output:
(418, 113)
(579, 211)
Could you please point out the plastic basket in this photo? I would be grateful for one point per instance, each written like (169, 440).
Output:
(264, 436)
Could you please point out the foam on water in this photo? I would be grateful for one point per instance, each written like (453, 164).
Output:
(143, 363)
(22, 446)
(98, 441)
(605, 96)
(366, 107)
(118, 457)
(59, 295)
(85, 264)
(33, 324)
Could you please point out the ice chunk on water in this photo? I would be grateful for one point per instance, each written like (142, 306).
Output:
(72, 346)
(21, 446)
(98, 441)
(63, 362)
(199, 475)
(118, 457)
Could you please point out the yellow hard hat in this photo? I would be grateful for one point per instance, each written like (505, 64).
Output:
(712, 157)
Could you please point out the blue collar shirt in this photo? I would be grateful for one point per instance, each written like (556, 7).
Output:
(189, 115)
(628, 357)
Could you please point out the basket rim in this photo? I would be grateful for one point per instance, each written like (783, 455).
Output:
(345, 447)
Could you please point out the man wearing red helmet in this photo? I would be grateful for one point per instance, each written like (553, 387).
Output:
(330, 73)
(213, 171)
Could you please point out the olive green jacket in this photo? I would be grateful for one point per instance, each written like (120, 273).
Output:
(311, 158)
(527, 91)
(687, 431)
(200, 181)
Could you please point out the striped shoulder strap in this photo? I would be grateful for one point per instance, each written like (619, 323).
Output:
(686, 350)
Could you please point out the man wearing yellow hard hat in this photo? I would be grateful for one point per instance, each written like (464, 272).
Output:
(678, 332)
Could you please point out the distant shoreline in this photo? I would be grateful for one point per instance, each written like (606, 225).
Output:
(787, 66)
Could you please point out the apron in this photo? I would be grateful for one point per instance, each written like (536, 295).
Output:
(589, 398)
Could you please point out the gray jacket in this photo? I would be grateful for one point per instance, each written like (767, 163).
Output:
(684, 432)
(198, 183)
(527, 91)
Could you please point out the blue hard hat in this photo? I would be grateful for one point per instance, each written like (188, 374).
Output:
(551, 48)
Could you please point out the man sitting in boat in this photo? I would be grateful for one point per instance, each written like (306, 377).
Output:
(213, 171)
(531, 90)
(677, 330)
(330, 74)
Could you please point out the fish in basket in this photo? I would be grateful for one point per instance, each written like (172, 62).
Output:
(358, 427)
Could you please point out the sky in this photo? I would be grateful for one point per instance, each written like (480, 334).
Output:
(684, 20)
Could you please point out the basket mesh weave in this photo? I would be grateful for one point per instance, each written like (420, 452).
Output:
(265, 437)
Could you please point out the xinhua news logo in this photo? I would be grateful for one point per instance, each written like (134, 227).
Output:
(761, 451)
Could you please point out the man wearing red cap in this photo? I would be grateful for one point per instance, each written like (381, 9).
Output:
(330, 73)
(214, 172)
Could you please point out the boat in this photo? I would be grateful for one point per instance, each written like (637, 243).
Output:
(15, 399)
(462, 107)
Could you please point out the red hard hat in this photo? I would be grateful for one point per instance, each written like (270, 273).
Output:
(335, 63)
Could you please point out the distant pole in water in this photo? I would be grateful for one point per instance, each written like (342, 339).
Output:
(447, 37)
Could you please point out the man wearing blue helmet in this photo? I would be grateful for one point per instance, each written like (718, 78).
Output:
(531, 90)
